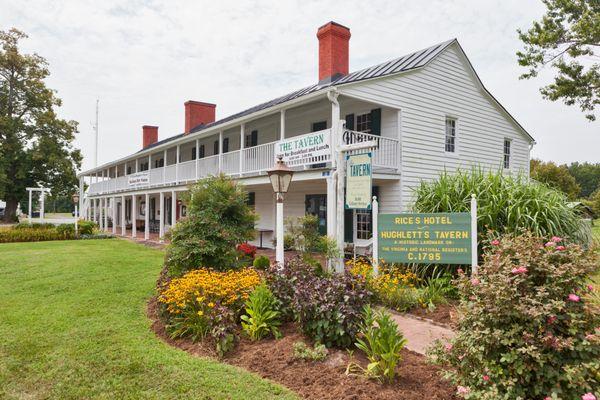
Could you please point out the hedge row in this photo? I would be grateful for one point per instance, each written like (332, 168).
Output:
(38, 232)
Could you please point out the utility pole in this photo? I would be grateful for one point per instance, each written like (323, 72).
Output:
(96, 136)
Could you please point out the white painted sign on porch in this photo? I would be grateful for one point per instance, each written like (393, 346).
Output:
(138, 179)
(358, 181)
(311, 148)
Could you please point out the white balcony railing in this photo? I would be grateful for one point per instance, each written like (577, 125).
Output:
(252, 160)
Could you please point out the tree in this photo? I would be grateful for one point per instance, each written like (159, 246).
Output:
(555, 176)
(35, 145)
(587, 176)
(566, 39)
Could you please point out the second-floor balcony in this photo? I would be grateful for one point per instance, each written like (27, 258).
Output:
(241, 163)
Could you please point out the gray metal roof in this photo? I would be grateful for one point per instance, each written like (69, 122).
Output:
(405, 63)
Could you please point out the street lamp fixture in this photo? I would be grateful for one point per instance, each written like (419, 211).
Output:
(280, 177)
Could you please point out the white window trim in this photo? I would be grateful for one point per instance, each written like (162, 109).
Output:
(510, 155)
(456, 152)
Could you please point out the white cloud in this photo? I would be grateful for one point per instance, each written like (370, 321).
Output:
(143, 59)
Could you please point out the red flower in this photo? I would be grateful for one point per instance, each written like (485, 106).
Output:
(247, 249)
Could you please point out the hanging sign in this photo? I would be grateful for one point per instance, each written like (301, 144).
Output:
(305, 149)
(358, 181)
(138, 179)
(439, 238)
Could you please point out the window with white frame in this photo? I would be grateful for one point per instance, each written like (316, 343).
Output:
(450, 142)
(506, 153)
(363, 224)
(363, 123)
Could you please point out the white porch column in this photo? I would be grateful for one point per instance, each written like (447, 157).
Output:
(220, 151)
(81, 185)
(133, 217)
(161, 231)
(282, 125)
(29, 207)
(123, 221)
(92, 210)
(242, 145)
(100, 218)
(136, 165)
(177, 155)
(106, 213)
(42, 210)
(338, 157)
(164, 170)
(147, 218)
(331, 207)
(173, 208)
(114, 215)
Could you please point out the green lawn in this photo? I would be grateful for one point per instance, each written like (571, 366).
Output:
(73, 326)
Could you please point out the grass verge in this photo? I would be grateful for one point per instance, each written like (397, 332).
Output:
(73, 325)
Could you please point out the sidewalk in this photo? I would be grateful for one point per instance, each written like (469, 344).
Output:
(420, 334)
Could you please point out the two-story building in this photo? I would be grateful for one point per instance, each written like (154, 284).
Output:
(425, 112)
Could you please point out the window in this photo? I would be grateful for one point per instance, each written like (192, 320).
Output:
(144, 166)
(318, 126)
(364, 230)
(450, 135)
(506, 153)
(201, 151)
(193, 153)
(251, 140)
(129, 170)
(251, 199)
(363, 123)
(159, 163)
(216, 147)
(226, 145)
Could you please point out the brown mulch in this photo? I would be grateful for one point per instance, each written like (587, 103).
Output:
(444, 314)
(273, 359)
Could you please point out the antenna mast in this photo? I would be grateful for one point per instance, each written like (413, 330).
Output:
(96, 136)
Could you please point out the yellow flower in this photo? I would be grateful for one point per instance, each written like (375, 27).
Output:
(200, 313)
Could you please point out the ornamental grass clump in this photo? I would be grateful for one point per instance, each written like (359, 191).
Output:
(505, 204)
(526, 329)
(261, 317)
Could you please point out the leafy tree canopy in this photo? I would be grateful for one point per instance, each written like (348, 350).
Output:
(587, 176)
(566, 38)
(35, 145)
(555, 176)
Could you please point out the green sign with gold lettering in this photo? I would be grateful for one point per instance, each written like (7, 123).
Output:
(439, 238)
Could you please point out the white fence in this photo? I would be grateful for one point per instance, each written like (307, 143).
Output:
(252, 160)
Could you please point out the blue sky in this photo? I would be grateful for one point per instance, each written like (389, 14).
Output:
(143, 59)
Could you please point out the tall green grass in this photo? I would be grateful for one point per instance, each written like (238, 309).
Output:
(506, 204)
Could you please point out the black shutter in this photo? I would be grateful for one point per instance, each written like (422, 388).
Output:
(350, 122)
(226, 145)
(254, 138)
(193, 153)
(376, 122)
(318, 126)
(216, 147)
(201, 151)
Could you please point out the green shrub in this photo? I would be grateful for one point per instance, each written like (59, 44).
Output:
(382, 342)
(436, 291)
(261, 318)
(66, 229)
(34, 225)
(304, 352)
(32, 235)
(85, 227)
(506, 205)
(525, 328)
(218, 220)
(262, 263)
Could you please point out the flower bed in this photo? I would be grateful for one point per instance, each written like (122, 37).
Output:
(38, 232)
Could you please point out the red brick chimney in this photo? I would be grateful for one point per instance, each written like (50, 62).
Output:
(149, 135)
(197, 113)
(333, 51)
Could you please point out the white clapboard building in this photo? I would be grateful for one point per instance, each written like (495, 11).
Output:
(425, 112)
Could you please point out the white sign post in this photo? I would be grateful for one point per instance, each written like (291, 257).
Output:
(474, 259)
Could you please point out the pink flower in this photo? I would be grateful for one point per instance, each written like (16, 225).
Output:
(448, 347)
(556, 239)
(588, 396)
(547, 398)
(475, 282)
(590, 336)
(460, 271)
(495, 242)
(519, 270)
(560, 248)
(466, 390)
(551, 319)
(590, 288)
(574, 298)
(550, 244)
(486, 378)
